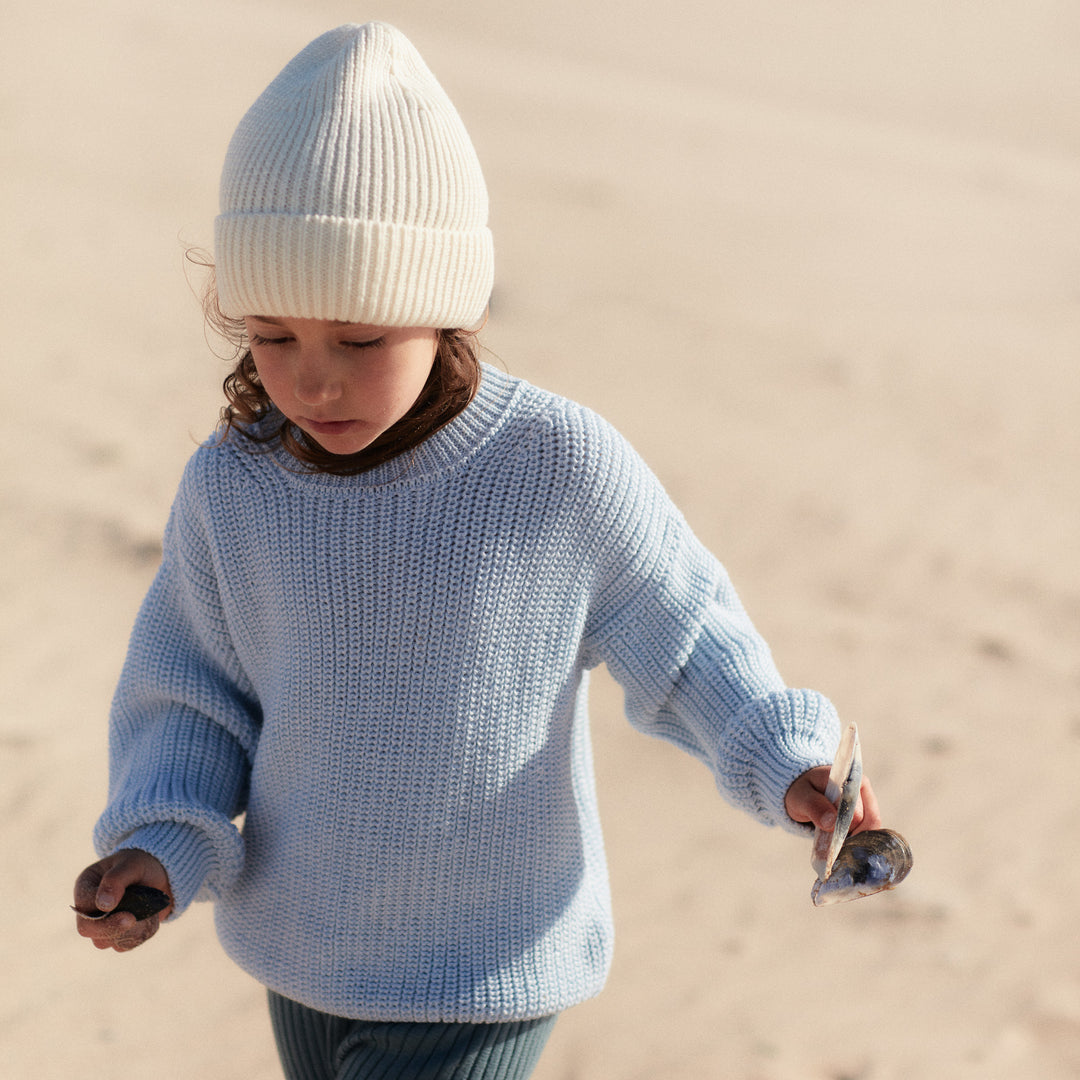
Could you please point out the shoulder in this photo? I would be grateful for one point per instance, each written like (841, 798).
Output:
(224, 469)
(575, 450)
(572, 434)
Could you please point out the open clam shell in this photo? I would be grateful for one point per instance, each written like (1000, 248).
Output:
(850, 867)
(845, 779)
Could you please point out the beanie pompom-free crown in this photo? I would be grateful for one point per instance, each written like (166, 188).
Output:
(352, 191)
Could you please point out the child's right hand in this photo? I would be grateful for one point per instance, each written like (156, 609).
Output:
(101, 886)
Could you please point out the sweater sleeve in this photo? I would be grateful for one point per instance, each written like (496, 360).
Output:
(184, 723)
(672, 631)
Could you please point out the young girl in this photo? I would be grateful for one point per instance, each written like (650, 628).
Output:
(384, 583)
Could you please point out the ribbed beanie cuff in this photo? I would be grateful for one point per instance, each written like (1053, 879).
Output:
(351, 191)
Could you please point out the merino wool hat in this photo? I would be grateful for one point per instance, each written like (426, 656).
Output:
(352, 191)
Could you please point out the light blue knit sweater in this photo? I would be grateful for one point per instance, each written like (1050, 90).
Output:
(388, 674)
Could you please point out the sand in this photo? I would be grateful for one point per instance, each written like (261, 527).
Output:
(819, 261)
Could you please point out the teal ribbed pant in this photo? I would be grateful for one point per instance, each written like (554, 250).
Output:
(316, 1046)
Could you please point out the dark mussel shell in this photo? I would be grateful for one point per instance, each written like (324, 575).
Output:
(141, 900)
(869, 862)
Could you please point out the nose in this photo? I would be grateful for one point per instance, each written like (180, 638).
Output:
(315, 378)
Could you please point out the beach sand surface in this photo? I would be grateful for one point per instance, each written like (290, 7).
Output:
(820, 262)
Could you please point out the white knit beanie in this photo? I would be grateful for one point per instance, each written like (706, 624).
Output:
(351, 191)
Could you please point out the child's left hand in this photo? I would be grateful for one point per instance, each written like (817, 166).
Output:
(805, 801)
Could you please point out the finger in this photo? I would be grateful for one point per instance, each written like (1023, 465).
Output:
(110, 890)
(121, 932)
(823, 813)
(817, 778)
(105, 930)
(126, 868)
(122, 872)
(138, 933)
(86, 887)
(101, 885)
(807, 804)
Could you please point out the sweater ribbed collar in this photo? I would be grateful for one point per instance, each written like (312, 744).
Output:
(450, 447)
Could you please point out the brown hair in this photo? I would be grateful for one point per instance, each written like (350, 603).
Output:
(451, 385)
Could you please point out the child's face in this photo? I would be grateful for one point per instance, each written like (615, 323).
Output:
(342, 384)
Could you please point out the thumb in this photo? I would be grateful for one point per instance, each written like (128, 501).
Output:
(806, 800)
(127, 867)
(823, 813)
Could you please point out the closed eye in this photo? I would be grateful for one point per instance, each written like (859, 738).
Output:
(261, 339)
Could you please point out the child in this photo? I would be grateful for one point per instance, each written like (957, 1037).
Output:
(383, 585)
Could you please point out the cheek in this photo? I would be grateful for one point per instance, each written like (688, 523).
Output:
(389, 399)
(420, 373)
(405, 382)
(270, 376)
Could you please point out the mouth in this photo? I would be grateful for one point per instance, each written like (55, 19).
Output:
(327, 427)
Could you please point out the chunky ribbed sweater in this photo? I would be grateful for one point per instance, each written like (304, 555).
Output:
(386, 675)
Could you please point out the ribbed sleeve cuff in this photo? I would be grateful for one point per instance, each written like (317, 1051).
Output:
(187, 855)
(774, 741)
